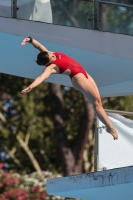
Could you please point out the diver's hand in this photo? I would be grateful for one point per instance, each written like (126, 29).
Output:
(25, 41)
(26, 90)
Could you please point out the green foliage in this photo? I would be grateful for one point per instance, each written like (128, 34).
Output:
(30, 115)
(119, 103)
(123, 103)
(117, 19)
(71, 12)
(27, 114)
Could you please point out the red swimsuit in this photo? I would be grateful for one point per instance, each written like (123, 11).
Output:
(65, 62)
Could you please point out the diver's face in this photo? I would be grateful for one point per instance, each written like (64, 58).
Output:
(52, 57)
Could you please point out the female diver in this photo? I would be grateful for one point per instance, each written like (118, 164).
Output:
(59, 63)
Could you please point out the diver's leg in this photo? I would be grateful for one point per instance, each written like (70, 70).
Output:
(89, 89)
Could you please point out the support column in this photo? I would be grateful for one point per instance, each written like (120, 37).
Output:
(96, 15)
(14, 8)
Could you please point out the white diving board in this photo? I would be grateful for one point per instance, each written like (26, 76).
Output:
(115, 184)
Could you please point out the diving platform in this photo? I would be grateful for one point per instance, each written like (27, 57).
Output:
(113, 163)
(112, 184)
(107, 57)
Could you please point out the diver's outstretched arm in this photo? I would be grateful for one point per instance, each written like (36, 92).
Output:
(46, 73)
(35, 44)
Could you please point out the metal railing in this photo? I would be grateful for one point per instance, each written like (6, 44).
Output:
(119, 112)
(116, 4)
(89, 19)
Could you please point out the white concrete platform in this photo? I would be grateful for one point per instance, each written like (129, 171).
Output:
(115, 184)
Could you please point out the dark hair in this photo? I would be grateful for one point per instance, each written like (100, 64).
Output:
(42, 58)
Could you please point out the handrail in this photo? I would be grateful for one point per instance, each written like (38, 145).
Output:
(116, 4)
(119, 112)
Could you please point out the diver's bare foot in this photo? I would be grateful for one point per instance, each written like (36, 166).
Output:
(113, 132)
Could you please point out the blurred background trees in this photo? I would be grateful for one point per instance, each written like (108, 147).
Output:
(47, 129)
(50, 128)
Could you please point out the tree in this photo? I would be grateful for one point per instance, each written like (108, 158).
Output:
(28, 131)
(118, 19)
(71, 151)
(123, 103)
(71, 13)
